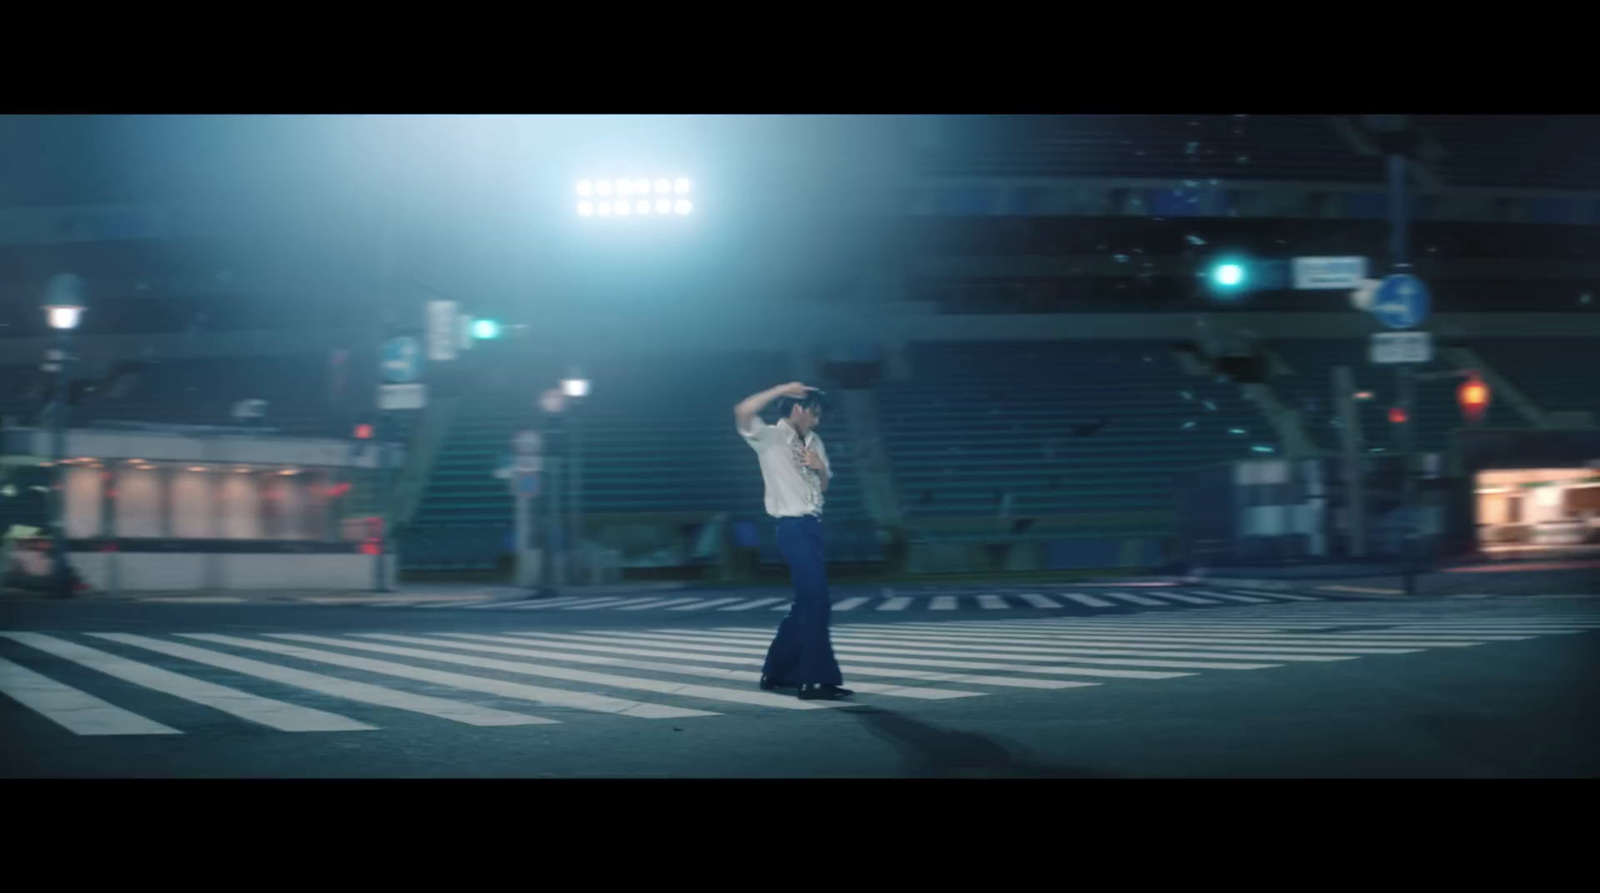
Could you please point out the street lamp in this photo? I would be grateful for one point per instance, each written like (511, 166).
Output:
(64, 305)
(576, 386)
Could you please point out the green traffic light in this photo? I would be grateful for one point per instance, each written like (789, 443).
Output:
(1229, 275)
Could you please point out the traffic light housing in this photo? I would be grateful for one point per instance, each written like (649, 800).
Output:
(1232, 276)
(1473, 397)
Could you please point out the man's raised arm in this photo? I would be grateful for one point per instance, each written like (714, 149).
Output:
(749, 406)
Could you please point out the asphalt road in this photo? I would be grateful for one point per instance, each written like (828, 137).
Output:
(1492, 687)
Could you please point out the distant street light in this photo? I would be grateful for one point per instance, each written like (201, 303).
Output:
(575, 386)
(64, 302)
(64, 305)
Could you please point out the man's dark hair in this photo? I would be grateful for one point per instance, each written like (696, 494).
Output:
(812, 400)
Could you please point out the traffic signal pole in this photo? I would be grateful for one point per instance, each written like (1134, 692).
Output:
(1405, 382)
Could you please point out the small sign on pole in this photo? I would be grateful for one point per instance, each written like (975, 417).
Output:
(1401, 347)
(442, 335)
(402, 396)
(528, 443)
(1338, 273)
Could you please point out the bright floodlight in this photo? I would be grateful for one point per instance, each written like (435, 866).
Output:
(586, 209)
(604, 209)
(641, 186)
(603, 187)
(575, 387)
(663, 206)
(624, 187)
(683, 206)
(485, 328)
(663, 186)
(681, 186)
(642, 206)
(585, 188)
(623, 208)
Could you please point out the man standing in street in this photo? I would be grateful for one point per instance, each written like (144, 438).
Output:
(794, 468)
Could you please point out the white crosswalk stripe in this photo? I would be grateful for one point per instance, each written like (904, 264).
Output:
(132, 684)
(78, 712)
(699, 604)
(659, 603)
(1134, 598)
(1188, 599)
(756, 603)
(556, 652)
(266, 711)
(1099, 596)
(330, 685)
(555, 697)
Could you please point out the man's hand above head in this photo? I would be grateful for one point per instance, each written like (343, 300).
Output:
(793, 389)
(753, 404)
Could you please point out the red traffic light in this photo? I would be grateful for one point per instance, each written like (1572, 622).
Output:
(363, 432)
(1397, 415)
(1474, 396)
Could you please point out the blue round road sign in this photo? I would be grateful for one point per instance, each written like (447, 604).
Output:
(1401, 301)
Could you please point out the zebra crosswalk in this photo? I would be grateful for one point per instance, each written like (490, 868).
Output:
(199, 682)
(887, 599)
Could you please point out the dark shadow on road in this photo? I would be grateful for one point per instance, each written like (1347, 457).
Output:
(932, 752)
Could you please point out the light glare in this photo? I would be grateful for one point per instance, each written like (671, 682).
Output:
(586, 209)
(585, 188)
(683, 206)
(65, 317)
(663, 206)
(663, 186)
(603, 187)
(642, 207)
(625, 187)
(681, 186)
(623, 209)
(604, 209)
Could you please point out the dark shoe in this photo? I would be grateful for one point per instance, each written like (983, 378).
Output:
(825, 691)
(770, 684)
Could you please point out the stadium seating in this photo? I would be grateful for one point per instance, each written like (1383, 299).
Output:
(658, 440)
(981, 422)
(1480, 150)
(204, 392)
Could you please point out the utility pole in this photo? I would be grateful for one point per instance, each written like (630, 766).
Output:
(1405, 381)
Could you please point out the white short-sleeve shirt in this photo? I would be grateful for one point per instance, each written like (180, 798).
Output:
(792, 488)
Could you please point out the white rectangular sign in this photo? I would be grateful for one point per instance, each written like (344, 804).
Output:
(1402, 347)
(1329, 272)
(402, 396)
(442, 332)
